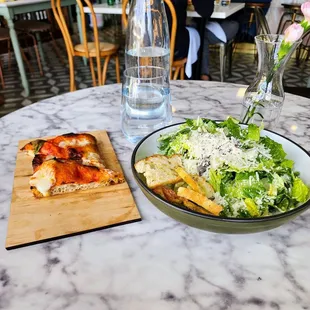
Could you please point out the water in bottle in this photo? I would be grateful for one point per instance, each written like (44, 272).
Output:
(145, 102)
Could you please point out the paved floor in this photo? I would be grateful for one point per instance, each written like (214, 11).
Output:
(56, 75)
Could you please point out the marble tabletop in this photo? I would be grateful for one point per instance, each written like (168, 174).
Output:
(157, 263)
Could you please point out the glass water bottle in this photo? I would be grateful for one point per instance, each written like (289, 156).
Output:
(146, 89)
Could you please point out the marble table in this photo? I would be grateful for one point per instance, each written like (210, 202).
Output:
(157, 263)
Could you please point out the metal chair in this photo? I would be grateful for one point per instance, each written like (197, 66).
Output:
(291, 14)
(249, 14)
(303, 50)
(90, 50)
(226, 51)
(262, 26)
(178, 66)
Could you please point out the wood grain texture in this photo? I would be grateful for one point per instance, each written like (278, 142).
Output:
(35, 220)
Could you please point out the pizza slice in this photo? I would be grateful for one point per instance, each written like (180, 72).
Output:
(80, 147)
(68, 163)
(56, 176)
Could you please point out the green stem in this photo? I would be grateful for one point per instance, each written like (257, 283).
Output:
(252, 108)
(245, 115)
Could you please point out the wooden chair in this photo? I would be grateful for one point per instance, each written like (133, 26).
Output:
(87, 49)
(5, 36)
(33, 28)
(178, 66)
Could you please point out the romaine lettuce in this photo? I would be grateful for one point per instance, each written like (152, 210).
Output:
(275, 149)
(300, 191)
(253, 132)
(215, 179)
(287, 163)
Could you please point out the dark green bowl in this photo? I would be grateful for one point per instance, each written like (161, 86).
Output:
(148, 147)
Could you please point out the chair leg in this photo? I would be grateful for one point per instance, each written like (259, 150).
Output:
(307, 49)
(230, 54)
(92, 70)
(57, 51)
(36, 50)
(176, 73)
(38, 59)
(307, 54)
(71, 69)
(1, 75)
(182, 73)
(222, 61)
(118, 76)
(105, 68)
(26, 61)
(280, 28)
(40, 47)
(297, 59)
(9, 55)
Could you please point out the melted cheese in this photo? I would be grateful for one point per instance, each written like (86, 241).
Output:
(93, 159)
(43, 180)
(74, 142)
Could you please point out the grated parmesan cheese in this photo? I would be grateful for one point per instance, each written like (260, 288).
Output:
(207, 150)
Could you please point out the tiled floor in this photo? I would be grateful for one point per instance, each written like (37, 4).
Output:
(56, 75)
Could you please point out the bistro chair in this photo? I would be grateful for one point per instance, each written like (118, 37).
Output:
(262, 26)
(303, 50)
(5, 36)
(33, 29)
(90, 50)
(250, 9)
(255, 15)
(291, 14)
(178, 66)
(226, 51)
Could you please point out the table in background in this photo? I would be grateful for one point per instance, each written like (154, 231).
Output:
(220, 12)
(157, 263)
(11, 8)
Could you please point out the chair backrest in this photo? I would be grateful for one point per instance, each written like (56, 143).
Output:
(60, 18)
(305, 40)
(262, 26)
(173, 32)
(288, 18)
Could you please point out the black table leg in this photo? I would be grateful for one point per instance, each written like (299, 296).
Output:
(197, 66)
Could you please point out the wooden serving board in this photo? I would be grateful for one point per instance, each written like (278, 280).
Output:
(34, 220)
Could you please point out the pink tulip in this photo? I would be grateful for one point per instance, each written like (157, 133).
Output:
(305, 8)
(293, 33)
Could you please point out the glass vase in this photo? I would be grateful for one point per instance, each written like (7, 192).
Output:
(264, 98)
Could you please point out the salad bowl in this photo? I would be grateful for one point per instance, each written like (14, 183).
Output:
(220, 224)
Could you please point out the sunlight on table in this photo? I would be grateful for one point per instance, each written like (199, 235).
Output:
(241, 92)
